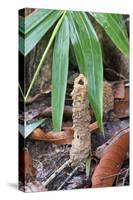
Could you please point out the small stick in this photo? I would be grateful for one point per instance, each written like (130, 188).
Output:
(106, 177)
(56, 173)
(116, 73)
(68, 178)
(125, 176)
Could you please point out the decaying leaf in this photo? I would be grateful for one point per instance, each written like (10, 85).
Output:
(77, 182)
(99, 152)
(81, 144)
(62, 137)
(26, 165)
(121, 105)
(111, 161)
(119, 91)
(34, 186)
(40, 111)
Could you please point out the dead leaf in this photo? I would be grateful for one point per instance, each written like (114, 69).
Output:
(44, 112)
(26, 165)
(93, 127)
(121, 106)
(62, 137)
(119, 90)
(111, 162)
(32, 186)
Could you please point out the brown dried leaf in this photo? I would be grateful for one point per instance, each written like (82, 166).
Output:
(111, 162)
(26, 164)
(121, 106)
(119, 90)
(62, 137)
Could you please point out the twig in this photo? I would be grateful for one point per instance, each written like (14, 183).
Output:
(56, 173)
(125, 176)
(32, 99)
(106, 177)
(114, 72)
(68, 178)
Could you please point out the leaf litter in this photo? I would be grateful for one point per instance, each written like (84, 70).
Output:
(48, 157)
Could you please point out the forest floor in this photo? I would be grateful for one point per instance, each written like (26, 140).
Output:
(48, 157)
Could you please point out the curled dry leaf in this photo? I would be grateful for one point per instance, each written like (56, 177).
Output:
(62, 137)
(111, 162)
(81, 144)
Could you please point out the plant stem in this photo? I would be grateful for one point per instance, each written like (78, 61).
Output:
(44, 55)
(88, 165)
(107, 177)
(21, 91)
(56, 173)
(68, 178)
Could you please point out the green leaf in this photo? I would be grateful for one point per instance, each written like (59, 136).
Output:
(113, 28)
(88, 166)
(89, 58)
(35, 32)
(59, 73)
(120, 20)
(44, 55)
(27, 24)
(27, 129)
